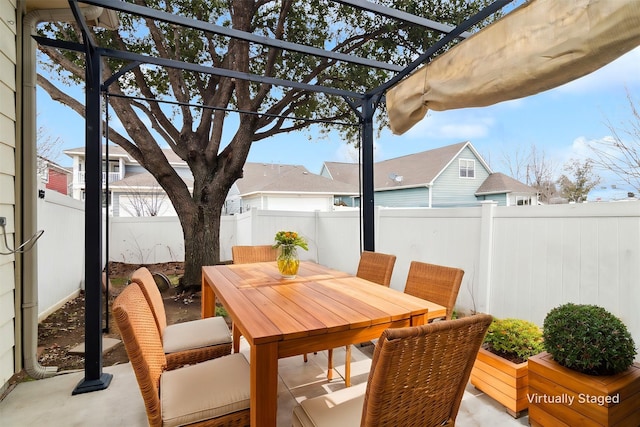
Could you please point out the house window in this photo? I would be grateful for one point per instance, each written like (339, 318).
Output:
(467, 168)
(523, 200)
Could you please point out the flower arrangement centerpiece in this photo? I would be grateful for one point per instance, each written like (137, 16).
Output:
(287, 243)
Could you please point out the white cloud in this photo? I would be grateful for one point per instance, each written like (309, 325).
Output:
(452, 125)
(623, 71)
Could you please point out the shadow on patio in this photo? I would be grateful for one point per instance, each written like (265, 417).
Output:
(49, 401)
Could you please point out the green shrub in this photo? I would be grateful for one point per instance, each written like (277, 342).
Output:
(588, 339)
(514, 339)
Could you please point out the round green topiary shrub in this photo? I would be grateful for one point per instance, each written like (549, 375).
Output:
(514, 339)
(588, 339)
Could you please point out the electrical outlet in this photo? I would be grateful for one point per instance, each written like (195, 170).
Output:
(3, 221)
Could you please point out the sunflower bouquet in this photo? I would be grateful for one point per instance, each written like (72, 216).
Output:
(288, 262)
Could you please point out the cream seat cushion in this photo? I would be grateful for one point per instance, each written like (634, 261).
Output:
(205, 390)
(340, 408)
(195, 334)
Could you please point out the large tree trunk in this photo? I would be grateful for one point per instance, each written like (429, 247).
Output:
(202, 243)
(201, 217)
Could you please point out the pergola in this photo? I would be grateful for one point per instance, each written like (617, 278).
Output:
(406, 94)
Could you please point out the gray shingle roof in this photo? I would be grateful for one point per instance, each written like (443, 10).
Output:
(500, 183)
(268, 177)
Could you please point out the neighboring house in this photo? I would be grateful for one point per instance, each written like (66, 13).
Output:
(451, 176)
(133, 191)
(285, 187)
(53, 176)
(506, 191)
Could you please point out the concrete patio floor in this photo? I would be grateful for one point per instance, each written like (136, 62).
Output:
(49, 401)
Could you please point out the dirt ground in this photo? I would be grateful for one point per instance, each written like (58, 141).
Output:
(64, 329)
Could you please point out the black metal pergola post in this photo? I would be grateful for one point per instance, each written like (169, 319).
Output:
(367, 203)
(94, 379)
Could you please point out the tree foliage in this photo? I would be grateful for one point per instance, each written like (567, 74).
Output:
(581, 180)
(214, 147)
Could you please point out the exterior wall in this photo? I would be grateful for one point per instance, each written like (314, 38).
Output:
(517, 199)
(403, 198)
(500, 199)
(288, 202)
(58, 181)
(8, 86)
(450, 190)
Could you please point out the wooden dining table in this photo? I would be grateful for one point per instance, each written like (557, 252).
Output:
(321, 308)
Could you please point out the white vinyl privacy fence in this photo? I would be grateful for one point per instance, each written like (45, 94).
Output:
(518, 261)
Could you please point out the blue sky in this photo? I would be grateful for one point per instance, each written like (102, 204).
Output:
(559, 122)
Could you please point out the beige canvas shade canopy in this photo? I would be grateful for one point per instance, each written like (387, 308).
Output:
(540, 45)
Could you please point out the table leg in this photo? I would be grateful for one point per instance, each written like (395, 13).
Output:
(236, 338)
(208, 300)
(419, 320)
(264, 384)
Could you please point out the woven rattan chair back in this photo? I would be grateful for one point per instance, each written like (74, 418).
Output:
(435, 283)
(419, 374)
(144, 347)
(249, 254)
(376, 267)
(145, 280)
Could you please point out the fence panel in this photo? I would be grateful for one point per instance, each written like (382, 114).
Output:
(518, 261)
(60, 251)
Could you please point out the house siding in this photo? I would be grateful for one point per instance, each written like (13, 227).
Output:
(7, 187)
(288, 203)
(501, 199)
(57, 181)
(450, 189)
(402, 198)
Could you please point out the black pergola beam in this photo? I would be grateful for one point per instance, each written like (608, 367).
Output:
(138, 59)
(401, 16)
(240, 35)
(134, 57)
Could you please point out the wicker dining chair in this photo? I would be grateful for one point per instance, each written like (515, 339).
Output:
(248, 254)
(418, 376)
(186, 342)
(375, 267)
(212, 393)
(435, 283)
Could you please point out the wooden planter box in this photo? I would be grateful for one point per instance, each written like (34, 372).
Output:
(504, 381)
(562, 397)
